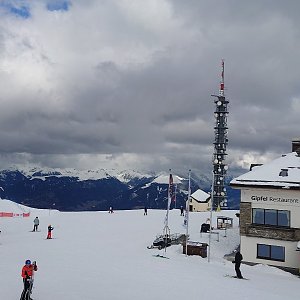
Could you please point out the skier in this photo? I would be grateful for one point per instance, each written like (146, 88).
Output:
(27, 275)
(181, 211)
(237, 261)
(145, 211)
(36, 223)
(111, 210)
(50, 228)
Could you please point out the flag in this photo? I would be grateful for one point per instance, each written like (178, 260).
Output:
(187, 208)
(171, 194)
(170, 198)
(174, 197)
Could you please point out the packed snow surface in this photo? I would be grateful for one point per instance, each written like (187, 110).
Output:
(98, 255)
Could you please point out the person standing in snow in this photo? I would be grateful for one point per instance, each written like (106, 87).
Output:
(237, 261)
(27, 275)
(181, 211)
(145, 211)
(36, 223)
(50, 228)
(111, 210)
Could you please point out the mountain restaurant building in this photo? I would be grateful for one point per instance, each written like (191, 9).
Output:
(270, 212)
(199, 201)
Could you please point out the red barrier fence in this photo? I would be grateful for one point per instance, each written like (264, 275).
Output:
(11, 215)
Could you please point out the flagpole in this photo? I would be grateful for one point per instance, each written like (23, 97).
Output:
(211, 207)
(187, 206)
(175, 195)
(169, 201)
(166, 229)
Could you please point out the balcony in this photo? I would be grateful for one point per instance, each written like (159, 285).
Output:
(272, 232)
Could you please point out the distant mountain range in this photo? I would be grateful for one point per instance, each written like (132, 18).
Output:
(73, 190)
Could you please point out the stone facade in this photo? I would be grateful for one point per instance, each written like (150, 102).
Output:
(245, 217)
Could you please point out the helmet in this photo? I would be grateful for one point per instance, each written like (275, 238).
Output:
(28, 262)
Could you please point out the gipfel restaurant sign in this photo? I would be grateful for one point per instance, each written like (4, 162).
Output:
(274, 200)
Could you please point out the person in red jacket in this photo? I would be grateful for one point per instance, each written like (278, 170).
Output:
(27, 275)
(50, 228)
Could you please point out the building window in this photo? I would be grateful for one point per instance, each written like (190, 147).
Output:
(270, 252)
(258, 216)
(271, 217)
(283, 218)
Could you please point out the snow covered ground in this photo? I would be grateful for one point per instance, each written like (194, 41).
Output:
(97, 255)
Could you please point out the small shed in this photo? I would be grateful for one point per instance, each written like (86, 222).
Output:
(224, 222)
(199, 201)
(195, 248)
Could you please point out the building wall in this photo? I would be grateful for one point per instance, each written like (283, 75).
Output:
(199, 206)
(253, 234)
(275, 199)
(249, 251)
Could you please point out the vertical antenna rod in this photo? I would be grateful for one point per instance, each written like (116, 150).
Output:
(222, 83)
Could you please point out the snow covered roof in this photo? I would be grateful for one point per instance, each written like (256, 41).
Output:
(200, 196)
(283, 172)
(164, 179)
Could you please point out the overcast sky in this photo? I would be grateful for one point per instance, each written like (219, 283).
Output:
(128, 83)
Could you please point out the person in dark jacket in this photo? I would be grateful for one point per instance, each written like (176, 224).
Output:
(50, 228)
(237, 261)
(145, 211)
(181, 211)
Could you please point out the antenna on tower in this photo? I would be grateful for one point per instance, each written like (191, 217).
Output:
(221, 92)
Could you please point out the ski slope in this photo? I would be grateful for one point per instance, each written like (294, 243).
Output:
(97, 255)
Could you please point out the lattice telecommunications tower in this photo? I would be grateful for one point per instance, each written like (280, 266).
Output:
(219, 166)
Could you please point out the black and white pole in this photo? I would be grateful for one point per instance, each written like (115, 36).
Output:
(187, 204)
(166, 233)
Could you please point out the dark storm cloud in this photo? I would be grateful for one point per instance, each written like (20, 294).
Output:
(129, 83)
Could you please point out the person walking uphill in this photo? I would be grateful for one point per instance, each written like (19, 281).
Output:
(237, 261)
(50, 228)
(36, 223)
(27, 275)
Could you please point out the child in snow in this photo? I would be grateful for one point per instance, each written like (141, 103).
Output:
(27, 275)
(50, 228)
(36, 223)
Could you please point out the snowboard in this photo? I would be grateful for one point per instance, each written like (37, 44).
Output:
(161, 256)
(231, 276)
